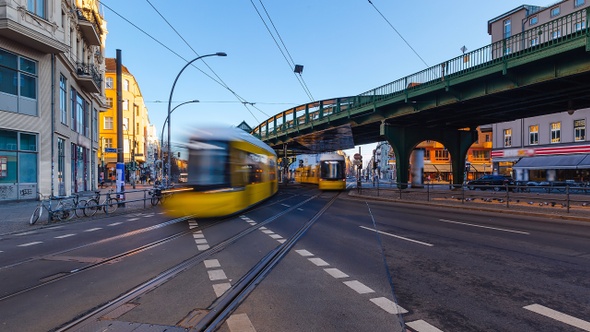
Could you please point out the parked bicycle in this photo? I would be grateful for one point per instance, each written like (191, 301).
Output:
(158, 195)
(60, 211)
(109, 204)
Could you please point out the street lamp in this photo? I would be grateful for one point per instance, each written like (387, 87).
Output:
(164, 126)
(170, 101)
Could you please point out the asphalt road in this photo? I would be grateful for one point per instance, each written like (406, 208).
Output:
(364, 265)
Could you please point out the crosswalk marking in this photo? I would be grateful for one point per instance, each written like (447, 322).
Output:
(422, 326)
(240, 323)
(559, 316)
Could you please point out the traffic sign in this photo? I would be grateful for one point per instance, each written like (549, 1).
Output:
(357, 156)
(110, 150)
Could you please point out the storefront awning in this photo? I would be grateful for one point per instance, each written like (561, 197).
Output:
(554, 162)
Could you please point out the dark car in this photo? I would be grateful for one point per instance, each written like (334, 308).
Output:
(496, 182)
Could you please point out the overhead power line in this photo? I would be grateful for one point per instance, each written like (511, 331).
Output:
(282, 49)
(399, 34)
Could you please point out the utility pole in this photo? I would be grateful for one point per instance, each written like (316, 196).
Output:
(120, 142)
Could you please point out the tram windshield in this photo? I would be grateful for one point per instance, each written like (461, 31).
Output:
(332, 169)
(208, 164)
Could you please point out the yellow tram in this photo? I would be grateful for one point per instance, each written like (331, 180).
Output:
(329, 174)
(229, 171)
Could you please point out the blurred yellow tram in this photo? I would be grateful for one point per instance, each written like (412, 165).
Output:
(229, 171)
(329, 174)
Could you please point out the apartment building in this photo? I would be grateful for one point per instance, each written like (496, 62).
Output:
(51, 92)
(137, 153)
(545, 148)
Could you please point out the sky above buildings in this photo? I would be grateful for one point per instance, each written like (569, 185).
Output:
(346, 47)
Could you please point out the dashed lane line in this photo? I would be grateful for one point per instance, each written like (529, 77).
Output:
(486, 227)
(30, 244)
(422, 326)
(388, 305)
(358, 287)
(334, 272)
(93, 229)
(398, 237)
(240, 323)
(64, 236)
(559, 316)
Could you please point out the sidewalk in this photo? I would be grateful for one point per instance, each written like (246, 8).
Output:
(14, 216)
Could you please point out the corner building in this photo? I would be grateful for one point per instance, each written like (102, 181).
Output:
(51, 83)
(548, 148)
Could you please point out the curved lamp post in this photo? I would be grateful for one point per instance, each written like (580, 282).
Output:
(164, 126)
(170, 102)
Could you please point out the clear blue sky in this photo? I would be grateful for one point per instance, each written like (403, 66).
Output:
(345, 46)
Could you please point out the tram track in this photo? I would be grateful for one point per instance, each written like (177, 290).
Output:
(221, 308)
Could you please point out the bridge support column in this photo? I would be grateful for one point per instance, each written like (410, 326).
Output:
(404, 139)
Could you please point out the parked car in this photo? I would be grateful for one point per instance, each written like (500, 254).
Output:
(496, 182)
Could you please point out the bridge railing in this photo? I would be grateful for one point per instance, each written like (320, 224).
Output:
(566, 28)
(542, 37)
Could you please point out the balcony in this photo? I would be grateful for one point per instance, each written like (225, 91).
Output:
(88, 24)
(88, 77)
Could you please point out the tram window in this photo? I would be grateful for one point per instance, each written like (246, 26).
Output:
(332, 169)
(208, 164)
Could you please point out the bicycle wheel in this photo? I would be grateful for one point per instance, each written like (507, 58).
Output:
(91, 207)
(154, 200)
(65, 211)
(80, 208)
(36, 215)
(111, 205)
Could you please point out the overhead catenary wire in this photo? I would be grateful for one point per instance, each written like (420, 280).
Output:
(283, 49)
(179, 56)
(399, 34)
(242, 100)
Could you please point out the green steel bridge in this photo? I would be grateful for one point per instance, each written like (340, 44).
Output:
(540, 71)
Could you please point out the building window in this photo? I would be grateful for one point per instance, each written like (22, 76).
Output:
(555, 132)
(555, 11)
(18, 159)
(126, 85)
(108, 122)
(109, 82)
(580, 130)
(126, 124)
(580, 25)
(95, 124)
(441, 155)
(534, 135)
(556, 34)
(109, 102)
(578, 3)
(108, 142)
(507, 138)
(488, 138)
(81, 118)
(18, 78)
(533, 20)
(63, 99)
(125, 104)
(36, 7)
(534, 41)
(507, 29)
(61, 165)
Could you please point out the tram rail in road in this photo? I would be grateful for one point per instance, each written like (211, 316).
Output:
(223, 306)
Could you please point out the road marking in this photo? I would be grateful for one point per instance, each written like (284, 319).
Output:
(209, 263)
(198, 236)
(422, 326)
(559, 316)
(398, 237)
(29, 244)
(486, 227)
(359, 287)
(304, 253)
(300, 209)
(93, 229)
(216, 275)
(318, 261)
(334, 272)
(26, 233)
(240, 323)
(132, 219)
(275, 236)
(202, 247)
(286, 205)
(115, 224)
(282, 241)
(389, 306)
(219, 289)
(200, 241)
(262, 228)
(64, 236)
(268, 231)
